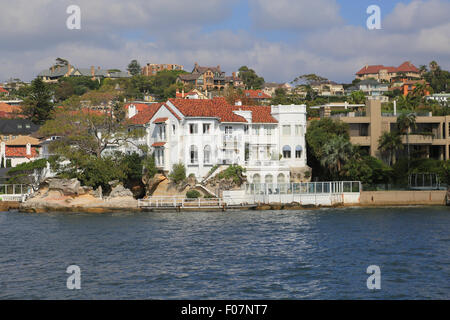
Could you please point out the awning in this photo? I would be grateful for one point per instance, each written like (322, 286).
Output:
(160, 120)
(158, 144)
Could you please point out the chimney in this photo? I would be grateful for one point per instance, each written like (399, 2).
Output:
(69, 67)
(92, 71)
(234, 75)
(182, 93)
(53, 69)
(28, 149)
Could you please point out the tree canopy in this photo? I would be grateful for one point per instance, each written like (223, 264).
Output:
(250, 78)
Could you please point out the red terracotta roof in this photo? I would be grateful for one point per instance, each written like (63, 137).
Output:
(144, 116)
(260, 114)
(407, 67)
(210, 108)
(158, 144)
(219, 108)
(19, 151)
(9, 108)
(139, 106)
(256, 94)
(404, 67)
(160, 120)
(2, 90)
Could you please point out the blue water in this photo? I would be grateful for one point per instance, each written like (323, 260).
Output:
(311, 254)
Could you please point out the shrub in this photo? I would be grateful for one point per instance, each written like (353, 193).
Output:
(192, 194)
(232, 172)
(178, 173)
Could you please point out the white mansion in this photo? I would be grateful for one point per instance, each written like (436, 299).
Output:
(268, 141)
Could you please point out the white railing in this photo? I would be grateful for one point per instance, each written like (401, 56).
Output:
(15, 192)
(180, 202)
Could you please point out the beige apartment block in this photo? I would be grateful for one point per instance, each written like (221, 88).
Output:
(431, 138)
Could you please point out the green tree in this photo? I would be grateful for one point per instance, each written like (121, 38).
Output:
(318, 134)
(389, 143)
(134, 68)
(405, 122)
(336, 153)
(178, 173)
(357, 97)
(250, 78)
(38, 106)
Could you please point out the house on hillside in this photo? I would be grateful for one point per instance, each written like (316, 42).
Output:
(269, 141)
(258, 96)
(406, 71)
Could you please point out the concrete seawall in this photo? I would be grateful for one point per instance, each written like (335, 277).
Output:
(400, 198)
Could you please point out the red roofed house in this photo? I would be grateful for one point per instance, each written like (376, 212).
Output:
(405, 71)
(19, 150)
(257, 95)
(204, 133)
(4, 92)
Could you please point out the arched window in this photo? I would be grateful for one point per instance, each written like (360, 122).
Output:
(207, 154)
(281, 183)
(269, 178)
(256, 178)
(298, 152)
(193, 154)
(286, 152)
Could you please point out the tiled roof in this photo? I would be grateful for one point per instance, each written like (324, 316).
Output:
(260, 114)
(23, 141)
(19, 151)
(139, 106)
(407, 67)
(404, 67)
(160, 120)
(210, 108)
(256, 94)
(9, 108)
(145, 114)
(221, 109)
(2, 90)
(158, 144)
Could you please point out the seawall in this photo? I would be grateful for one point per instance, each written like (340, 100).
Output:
(402, 198)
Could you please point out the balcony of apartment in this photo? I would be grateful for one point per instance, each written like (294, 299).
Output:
(231, 141)
(360, 140)
(418, 139)
(347, 114)
(266, 164)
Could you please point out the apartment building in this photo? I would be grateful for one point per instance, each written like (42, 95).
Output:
(328, 88)
(430, 139)
(269, 141)
(151, 69)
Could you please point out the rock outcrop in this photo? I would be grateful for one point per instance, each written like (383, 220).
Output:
(68, 195)
(120, 191)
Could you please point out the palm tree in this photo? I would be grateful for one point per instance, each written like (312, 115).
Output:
(390, 142)
(405, 122)
(335, 153)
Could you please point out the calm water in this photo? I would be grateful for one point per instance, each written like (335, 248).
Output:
(319, 254)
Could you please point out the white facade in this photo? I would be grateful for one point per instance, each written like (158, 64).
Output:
(268, 149)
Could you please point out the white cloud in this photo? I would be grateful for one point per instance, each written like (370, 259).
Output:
(161, 32)
(418, 14)
(293, 15)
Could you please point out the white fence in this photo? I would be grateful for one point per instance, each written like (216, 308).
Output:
(180, 202)
(14, 192)
(308, 193)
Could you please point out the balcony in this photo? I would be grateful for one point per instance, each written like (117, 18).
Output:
(418, 139)
(361, 140)
(266, 163)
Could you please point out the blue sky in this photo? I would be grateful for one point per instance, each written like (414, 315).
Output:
(279, 39)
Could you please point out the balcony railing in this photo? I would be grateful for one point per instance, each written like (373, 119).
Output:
(265, 163)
